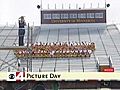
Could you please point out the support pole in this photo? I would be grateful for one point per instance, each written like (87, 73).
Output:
(28, 35)
(8, 69)
(105, 3)
(41, 4)
(28, 47)
(32, 34)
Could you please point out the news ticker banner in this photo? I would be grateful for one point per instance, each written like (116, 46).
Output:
(67, 76)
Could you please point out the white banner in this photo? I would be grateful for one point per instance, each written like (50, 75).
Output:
(67, 76)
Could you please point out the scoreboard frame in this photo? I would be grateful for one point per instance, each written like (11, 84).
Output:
(76, 20)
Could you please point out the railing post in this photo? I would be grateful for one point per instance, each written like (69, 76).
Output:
(97, 63)
(8, 69)
(28, 34)
(32, 35)
(110, 61)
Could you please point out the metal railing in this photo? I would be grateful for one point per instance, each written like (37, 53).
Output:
(109, 60)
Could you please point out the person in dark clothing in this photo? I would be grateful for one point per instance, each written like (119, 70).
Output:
(21, 31)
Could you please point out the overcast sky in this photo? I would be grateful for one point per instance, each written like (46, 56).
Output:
(11, 10)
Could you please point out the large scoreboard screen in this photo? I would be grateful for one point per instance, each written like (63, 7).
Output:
(73, 16)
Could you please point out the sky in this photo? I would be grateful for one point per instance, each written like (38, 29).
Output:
(11, 10)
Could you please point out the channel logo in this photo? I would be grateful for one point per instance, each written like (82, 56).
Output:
(11, 76)
(16, 76)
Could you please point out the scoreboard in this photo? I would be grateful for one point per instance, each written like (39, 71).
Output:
(76, 16)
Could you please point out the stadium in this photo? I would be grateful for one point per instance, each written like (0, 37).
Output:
(68, 40)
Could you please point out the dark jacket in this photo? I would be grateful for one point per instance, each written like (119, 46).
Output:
(21, 28)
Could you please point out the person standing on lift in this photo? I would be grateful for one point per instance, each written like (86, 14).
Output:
(21, 31)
